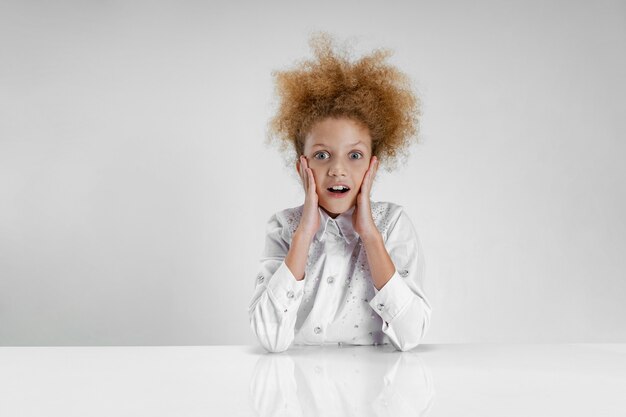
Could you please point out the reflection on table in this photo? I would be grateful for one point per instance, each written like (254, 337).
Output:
(344, 381)
(470, 380)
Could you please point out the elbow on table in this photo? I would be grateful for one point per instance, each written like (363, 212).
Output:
(275, 349)
(405, 346)
(403, 343)
(270, 339)
(273, 346)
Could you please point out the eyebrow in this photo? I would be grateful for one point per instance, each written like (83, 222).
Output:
(324, 145)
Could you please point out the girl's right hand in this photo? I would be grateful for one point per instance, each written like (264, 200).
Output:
(310, 221)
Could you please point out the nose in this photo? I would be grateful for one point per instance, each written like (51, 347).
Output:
(337, 169)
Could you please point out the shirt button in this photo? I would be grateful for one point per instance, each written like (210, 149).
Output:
(381, 306)
(403, 273)
(317, 330)
(289, 294)
(260, 278)
(330, 279)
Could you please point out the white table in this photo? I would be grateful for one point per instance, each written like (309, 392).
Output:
(432, 380)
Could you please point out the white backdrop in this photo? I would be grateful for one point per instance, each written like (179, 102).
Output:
(135, 185)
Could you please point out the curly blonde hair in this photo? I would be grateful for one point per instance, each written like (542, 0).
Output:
(368, 90)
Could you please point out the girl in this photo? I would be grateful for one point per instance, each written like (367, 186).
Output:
(341, 268)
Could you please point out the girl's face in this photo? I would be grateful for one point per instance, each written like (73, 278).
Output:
(338, 151)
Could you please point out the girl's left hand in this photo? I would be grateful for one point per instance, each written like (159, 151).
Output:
(362, 219)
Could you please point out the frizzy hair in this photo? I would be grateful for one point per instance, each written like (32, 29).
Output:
(368, 90)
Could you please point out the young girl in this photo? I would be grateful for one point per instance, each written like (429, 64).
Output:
(341, 268)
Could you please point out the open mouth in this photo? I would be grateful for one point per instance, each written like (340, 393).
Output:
(341, 189)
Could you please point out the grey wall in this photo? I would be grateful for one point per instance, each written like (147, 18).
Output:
(135, 186)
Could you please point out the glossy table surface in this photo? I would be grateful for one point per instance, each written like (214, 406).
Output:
(431, 380)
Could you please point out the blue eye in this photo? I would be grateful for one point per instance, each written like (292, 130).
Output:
(320, 153)
(358, 154)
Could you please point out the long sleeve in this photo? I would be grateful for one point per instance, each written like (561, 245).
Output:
(277, 295)
(402, 303)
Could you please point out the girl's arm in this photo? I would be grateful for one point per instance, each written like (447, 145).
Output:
(380, 263)
(278, 293)
(401, 301)
(298, 253)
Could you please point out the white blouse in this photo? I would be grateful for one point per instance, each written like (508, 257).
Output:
(336, 302)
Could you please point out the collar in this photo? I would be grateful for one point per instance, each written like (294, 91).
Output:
(343, 223)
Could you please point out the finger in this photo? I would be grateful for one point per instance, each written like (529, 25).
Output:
(370, 180)
(308, 178)
(309, 174)
(369, 167)
(303, 174)
(370, 174)
(311, 180)
(374, 171)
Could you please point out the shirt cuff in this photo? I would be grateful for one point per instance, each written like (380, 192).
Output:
(392, 298)
(285, 288)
